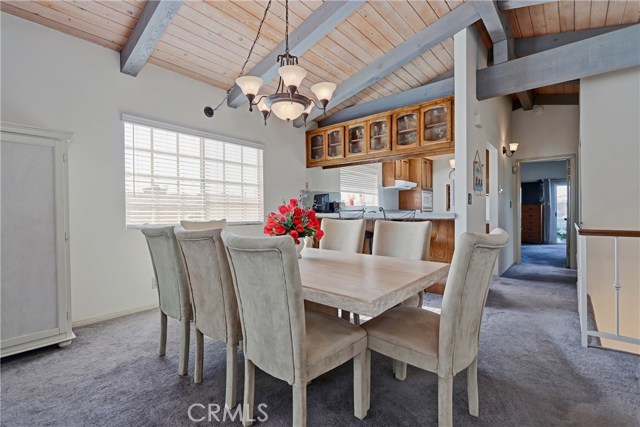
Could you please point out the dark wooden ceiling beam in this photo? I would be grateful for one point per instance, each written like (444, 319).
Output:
(445, 27)
(155, 17)
(612, 51)
(315, 27)
(526, 99)
(550, 99)
(432, 90)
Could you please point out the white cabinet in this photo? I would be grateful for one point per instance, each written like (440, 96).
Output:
(35, 302)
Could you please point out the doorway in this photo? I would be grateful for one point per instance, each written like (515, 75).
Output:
(545, 212)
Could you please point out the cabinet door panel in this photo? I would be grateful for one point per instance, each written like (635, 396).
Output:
(379, 134)
(315, 147)
(335, 143)
(356, 139)
(406, 125)
(436, 124)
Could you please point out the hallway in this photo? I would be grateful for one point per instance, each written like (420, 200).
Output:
(550, 255)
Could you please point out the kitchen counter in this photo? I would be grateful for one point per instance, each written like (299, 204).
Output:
(392, 215)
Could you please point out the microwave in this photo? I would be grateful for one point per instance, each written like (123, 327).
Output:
(427, 201)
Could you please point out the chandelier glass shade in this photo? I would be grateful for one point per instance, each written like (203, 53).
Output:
(287, 103)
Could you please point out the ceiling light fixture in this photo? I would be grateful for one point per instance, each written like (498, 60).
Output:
(513, 147)
(287, 103)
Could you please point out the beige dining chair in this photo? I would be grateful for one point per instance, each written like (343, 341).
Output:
(173, 290)
(445, 343)
(346, 235)
(215, 310)
(279, 337)
(400, 239)
(203, 225)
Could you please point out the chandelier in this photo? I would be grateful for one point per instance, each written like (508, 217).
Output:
(287, 103)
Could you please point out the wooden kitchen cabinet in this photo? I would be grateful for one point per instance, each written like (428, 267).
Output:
(406, 129)
(325, 145)
(392, 170)
(316, 147)
(335, 143)
(435, 124)
(426, 174)
(379, 128)
(357, 137)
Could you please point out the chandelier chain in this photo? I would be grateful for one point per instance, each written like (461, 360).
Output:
(246, 61)
(286, 27)
(264, 17)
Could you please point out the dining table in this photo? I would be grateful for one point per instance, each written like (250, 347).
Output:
(365, 284)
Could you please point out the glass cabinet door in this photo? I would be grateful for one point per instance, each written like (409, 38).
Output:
(406, 130)
(379, 135)
(436, 124)
(356, 138)
(316, 147)
(335, 144)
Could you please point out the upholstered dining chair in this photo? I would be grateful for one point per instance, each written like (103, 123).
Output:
(173, 290)
(203, 225)
(399, 239)
(445, 343)
(346, 235)
(215, 310)
(279, 337)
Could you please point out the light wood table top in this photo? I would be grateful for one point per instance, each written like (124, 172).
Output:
(364, 284)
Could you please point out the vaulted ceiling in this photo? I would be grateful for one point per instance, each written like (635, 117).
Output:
(209, 40)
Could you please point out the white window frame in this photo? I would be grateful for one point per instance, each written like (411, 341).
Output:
(137, 120)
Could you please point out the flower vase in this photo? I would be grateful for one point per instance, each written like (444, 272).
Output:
(299, 248)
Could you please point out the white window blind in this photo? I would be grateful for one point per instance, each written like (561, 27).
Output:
(359, 184)
(172, 175)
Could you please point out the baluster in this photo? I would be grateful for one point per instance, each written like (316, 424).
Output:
(616, 283)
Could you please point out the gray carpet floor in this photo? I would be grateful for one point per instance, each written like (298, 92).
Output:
(532, 372)
(551, 255)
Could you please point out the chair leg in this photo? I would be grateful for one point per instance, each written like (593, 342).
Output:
(400, 370)
(472, 388)
(356, 319)
(197, 376)
(183, 367)
(232, 375)
(163, 334)
(361, 383)
(300, 405)
(249, 388)
(445, 402)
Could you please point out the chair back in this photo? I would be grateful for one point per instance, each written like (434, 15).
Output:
(203, 225)
(342, 235)
(267, 282)
(464, 297)
(409, 240)
(215, 310)
(173, 290)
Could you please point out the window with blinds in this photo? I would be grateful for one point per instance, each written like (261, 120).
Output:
(359, 185)
(171, 175)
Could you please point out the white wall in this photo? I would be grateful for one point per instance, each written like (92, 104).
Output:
(610, 179)
(53, 80)
(535, 171)
(555, 132)
(495, 130)
(441, 169)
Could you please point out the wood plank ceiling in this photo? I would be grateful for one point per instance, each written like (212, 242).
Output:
(209, 40)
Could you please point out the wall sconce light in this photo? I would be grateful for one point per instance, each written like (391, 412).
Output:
(513, 147)
(452, 172)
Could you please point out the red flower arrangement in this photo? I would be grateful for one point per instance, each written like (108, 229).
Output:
(294, 221)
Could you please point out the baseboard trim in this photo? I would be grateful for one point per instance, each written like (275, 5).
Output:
(91, 320)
